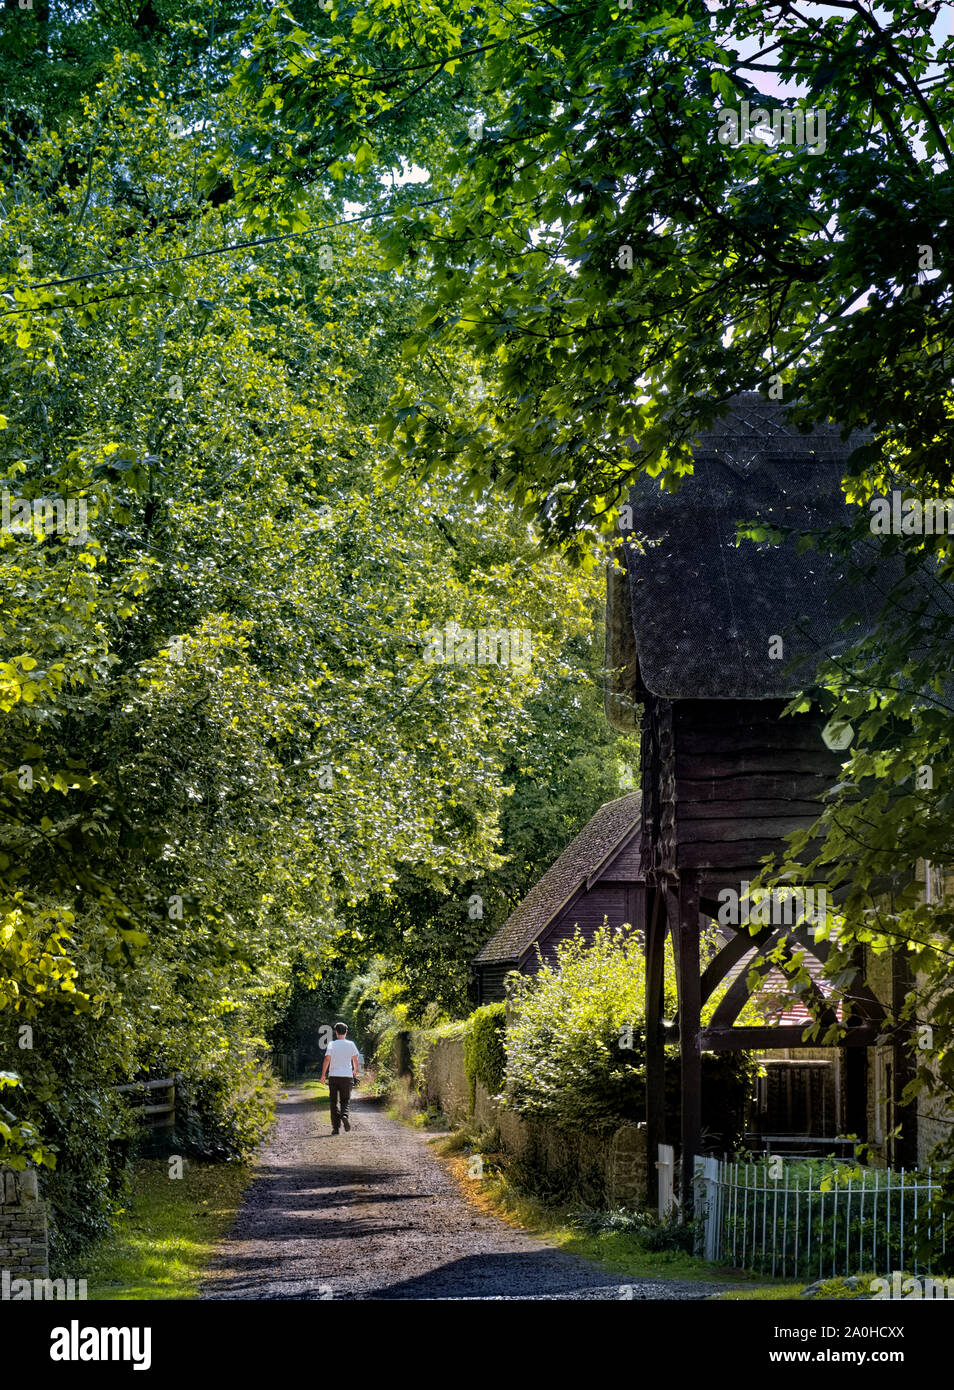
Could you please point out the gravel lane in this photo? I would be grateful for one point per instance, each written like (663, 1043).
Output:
(375, 1214)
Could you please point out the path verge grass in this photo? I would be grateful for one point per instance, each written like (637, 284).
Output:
(317, 1090)
(618, 1252)
(773, 1292)
(164, 1240)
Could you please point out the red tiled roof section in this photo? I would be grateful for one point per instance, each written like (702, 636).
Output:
(612, 824)
(784, 1008)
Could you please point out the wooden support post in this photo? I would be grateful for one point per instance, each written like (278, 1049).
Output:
(855, 1061)
(690, 1006)
(905, 1147)
(656, 927)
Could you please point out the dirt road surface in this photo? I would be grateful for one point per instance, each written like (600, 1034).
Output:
(375, 1214)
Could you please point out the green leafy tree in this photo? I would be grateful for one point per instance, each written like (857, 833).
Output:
(220, 729)
(619, 270)
(561, 764)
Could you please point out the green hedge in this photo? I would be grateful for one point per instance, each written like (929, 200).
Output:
(576, 1054)
(485, 1053)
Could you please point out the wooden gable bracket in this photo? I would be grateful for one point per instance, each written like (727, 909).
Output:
(720, 1033)
(739, 993)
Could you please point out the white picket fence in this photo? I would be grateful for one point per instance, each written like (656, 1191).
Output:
(796, 1219)
(666, 1168)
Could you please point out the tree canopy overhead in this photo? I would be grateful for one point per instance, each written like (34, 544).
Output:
(621, 261)
(327, 314)
(618, 271)
(220, 729)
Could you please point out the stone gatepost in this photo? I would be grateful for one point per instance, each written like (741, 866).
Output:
(24, 1249)
(626, 1167)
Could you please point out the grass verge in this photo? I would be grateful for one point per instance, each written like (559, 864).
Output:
(317, 1090)
(772, 1292)
(619, 1252)
(164, 1240)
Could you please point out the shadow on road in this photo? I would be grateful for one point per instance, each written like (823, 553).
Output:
(540, 1274)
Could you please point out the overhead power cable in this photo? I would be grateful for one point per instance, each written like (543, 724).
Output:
(218, 250)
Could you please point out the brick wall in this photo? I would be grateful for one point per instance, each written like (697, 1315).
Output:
(23, 1236)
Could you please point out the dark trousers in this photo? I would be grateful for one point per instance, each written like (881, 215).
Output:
(339, 1093)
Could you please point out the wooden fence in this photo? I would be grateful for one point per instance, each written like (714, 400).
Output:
(286, 1064)
(800, 1221)
(155, 1101)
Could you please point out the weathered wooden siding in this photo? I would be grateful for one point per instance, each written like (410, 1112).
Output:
(492, 982)
(744, 779)
(657, 759)
(588, 910)
(625, 866)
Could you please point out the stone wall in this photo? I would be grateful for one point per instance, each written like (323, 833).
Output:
(602, 1169)
(23, 1235)
(445, 1079)
(934, 1125)
(933, 1112)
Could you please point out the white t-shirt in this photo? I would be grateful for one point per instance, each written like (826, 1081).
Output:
(341, 1051)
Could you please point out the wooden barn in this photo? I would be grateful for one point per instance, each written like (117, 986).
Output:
(597, 876)
(709, 639)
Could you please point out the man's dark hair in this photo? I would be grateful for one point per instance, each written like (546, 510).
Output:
(341, 1029)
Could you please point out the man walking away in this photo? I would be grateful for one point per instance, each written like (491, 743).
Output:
(341, 1070)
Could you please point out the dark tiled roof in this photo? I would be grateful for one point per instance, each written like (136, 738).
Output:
(704, 609)
(596, 841)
